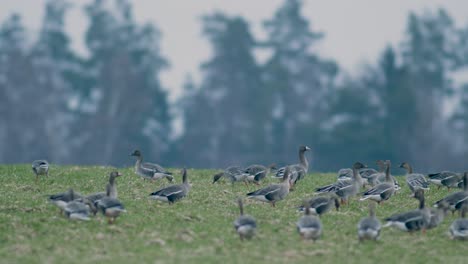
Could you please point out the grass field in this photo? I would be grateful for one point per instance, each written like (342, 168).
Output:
(199, 228)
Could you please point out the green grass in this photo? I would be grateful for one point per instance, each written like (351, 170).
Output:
(199, 228)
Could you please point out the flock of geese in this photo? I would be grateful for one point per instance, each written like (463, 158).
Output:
(379, 186)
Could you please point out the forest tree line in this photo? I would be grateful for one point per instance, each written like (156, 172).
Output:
(409, 105)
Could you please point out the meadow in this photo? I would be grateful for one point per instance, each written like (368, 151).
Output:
(199, 229)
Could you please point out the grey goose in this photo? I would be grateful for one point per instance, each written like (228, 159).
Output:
(445, 179)
(245, 225)
(309, 225)
(62, 199)
(40, 167)
(415, 181)
(321, 204)
(233, 174)
(80, 210)
(383, 191)
(344, 191)
(414, 220)
(150, 170)
(369, 227)
(256, 172)
(456, 200)
(459, 228)
(173, 193)
(273, 192)
(110, 207)
(297, 171)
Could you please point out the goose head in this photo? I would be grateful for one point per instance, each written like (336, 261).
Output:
(136, 153)
(358, 166)
(115, 174)
(405, 165)
(303, 148)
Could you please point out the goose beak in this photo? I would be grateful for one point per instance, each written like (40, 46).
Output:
(307, 148)
(119, 174)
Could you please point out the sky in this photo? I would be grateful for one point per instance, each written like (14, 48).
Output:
(355, 31)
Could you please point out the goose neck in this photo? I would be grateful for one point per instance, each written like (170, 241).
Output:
(303, 160)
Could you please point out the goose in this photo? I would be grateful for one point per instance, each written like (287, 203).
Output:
(245, 225)
(369, 227)
(438, 215)
(111, 185)
(367, 174)
(456, 200)
(321, 204)
(413, 220)
(298, 171)
(110, 207)
(382, 191)
(309, 225)
(341, 183)
(233, 174)
(445, 178)
(415, 181)
(80, 210)
(459, 228)
(256, 173)
(273, 192)
(62, 199)
(173, 193)
(351, 189)
(40, 167)
(150, 170)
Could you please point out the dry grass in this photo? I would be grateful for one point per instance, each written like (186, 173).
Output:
(199, 228)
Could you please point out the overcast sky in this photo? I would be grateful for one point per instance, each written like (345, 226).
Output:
(355, 31)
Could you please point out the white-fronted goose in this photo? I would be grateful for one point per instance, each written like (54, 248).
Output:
(382, 191)
(445, 178)
(112, 186)
(110, 207)
(413, 220)
(62, 199)
(438, 215)
(415, 181)
(40, 167)
(233, 174)
(256, 172)
(245, 225)
(344, 192)
(273, 192)
(173, 193)
(342, 182)
(150, 170)
(79, 210)
(459, 228)
(309, 225)
(297, 171)
(456, 200)
(369, 227)
(321, 204)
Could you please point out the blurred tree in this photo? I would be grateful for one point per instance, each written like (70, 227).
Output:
(57, 69)
(130, 108)
(21, 133)
(228, 114)
(299, 79)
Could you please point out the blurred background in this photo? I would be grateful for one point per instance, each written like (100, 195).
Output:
(216, 83)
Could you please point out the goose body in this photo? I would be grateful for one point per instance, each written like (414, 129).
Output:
(256, 172)
(309, 225)
(150, 170)
(79, 210)
(62, 199)
(382, 191)
(445, 179)
(173, 193)
(245, 225)
(233, 174)
(321, 204)
(459, 228)
(456, 200)
(40, 167)
(413, 220)
(273, 192)
(109, 206)
(369, 227)
(297, 171)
